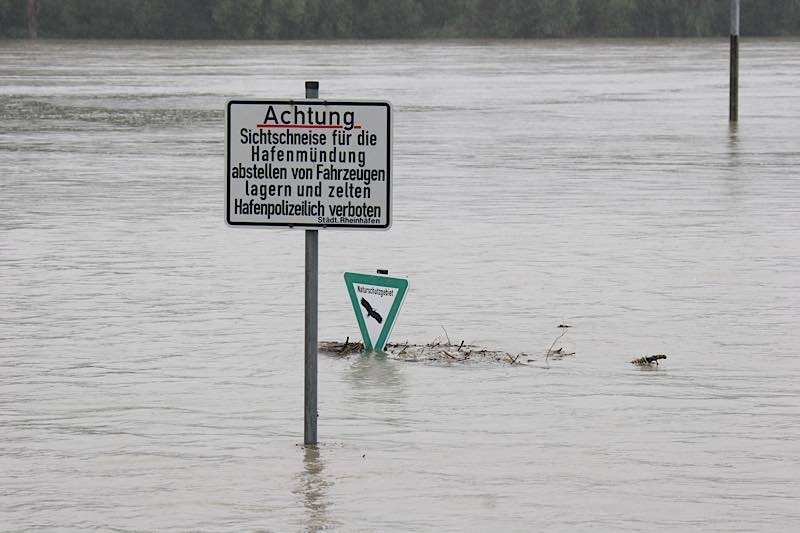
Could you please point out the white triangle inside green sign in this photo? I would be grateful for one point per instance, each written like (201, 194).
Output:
(376, 302)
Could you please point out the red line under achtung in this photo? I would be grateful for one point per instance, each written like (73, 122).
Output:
(311, 126)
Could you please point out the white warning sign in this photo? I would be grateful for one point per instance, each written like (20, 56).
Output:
(308, 164)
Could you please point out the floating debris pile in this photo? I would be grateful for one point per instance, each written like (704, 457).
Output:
(436, 351)
(342, 349)
(441, 350)
(649, 360)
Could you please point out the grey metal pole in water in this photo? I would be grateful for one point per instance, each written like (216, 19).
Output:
(312, 283)
(733, 108)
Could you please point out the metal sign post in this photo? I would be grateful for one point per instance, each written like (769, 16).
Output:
(312, 283)
(733, 101)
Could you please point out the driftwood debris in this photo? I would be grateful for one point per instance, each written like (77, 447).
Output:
(557, 353)
(342, 349)
(648, 360)
(443, 350)
(436, 351)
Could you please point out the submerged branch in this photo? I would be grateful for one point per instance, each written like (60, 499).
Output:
(648, 360)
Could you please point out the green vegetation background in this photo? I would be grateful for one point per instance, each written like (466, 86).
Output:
(370, 19)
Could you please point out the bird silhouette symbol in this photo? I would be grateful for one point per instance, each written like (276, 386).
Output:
(370, 311)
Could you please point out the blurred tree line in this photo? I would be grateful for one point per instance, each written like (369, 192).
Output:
(333, 19)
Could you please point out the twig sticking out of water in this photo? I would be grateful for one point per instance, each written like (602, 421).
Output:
(513, 359)
(446, 335)
(550, 349)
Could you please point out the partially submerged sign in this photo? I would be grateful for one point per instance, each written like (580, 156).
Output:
(376, 301)
(310, 164)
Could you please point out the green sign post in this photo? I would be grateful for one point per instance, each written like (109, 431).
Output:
(376, 302)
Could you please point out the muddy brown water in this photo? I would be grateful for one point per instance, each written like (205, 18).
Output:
(151, 357)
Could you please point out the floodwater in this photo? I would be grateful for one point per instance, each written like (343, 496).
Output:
(151, 358)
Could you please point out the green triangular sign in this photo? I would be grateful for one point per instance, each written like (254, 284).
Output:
(376, 301)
